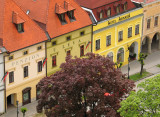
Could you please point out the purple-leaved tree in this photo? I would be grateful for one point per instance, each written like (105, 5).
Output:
(84, 87)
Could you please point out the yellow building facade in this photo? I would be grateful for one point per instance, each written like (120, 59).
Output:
(58, 47)
(117, 29)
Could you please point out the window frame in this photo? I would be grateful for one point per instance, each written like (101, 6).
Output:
(109, 11)
(129, 32)
(25, 71)
(156, 21)
(82, 33)
(39, 65)
(25, 52)
(68, 52)
(11, 77)
(81, 50)
(148, 23)
(54, 43)
(20, 27)
(137, 28)
(120, 34)
(108, 40)
(68, 38)
(54, 61)
(118, 9)
(10, 57)
(39, 47)
(98, 45)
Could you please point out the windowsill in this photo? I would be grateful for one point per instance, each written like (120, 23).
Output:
(130, 37)
(26, 77)
(97, 49)
(39, 72)
(120, 40)
(156, 26)
(108, 45)
(137, 34)
(11, 83)
(54, 66)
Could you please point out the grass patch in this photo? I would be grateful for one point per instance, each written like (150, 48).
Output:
(137, 76)
(39, 115)
(158, 65)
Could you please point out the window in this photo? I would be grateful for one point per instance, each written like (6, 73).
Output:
(101, 15)
(108, 40)
(68, 52)
(82, 50)
(25, 52)
(25, 71)
(39, 66)
(53, 61)
(11, 77)
(62, 18)
(53, 43)
(148, 23)
(71, 15)
(98, 44)
(137, 29)
(19, 27)
(129, 32)
(10, 58)
(109, 12)
(39, 47)
(82, 33)
(68, 38)
(125, 6)
(110, 56)
(120, 55)
(120, 36)
(118, 9)
(156, 21)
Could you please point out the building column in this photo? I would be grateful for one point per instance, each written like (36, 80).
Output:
(149, 46)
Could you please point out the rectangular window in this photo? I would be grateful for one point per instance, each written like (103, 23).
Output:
(98, 44)
(137, 29)
(71, 15)
(20, 27)
(129, 32)
(82, 50)
(156, 21)
(109, 12)
(39, 47)
(68, 52)
(11, 77)
(25, 52)
(120, 36)
(25, 71)
(118, 9)
(10, 58)
(148, 23)
(62, 18)
(53, 43)
(101, 15)
(53, 61)
(82, 33)
(68, 38)
(39, 66)
(108, 40)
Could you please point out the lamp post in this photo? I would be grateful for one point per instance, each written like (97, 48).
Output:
(17, 108)
(128, 67)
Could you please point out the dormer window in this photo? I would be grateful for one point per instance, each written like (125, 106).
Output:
(62, 18)
(19, 27)
(109, 12)
(125, 6)
(71, 15)
(118, 9)
(101, 15)
(18, 21)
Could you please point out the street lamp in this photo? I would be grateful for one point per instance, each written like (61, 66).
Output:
(17, 108)
(128, 67)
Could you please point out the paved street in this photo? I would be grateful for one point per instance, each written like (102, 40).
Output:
(150, 66)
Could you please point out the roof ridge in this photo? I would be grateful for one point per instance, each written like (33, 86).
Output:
(47, 14)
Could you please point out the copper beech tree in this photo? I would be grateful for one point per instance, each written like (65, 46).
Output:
(84, 87)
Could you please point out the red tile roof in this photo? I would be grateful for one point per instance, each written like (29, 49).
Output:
(11, 38)
(43, 11)
(91, 4)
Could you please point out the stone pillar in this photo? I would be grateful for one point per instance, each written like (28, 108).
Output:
(149, 46)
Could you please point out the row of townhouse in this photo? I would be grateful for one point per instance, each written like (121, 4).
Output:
(33, 30)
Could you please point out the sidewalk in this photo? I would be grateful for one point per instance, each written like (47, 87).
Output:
(150, 65)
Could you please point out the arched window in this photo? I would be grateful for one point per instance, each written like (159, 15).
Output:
(120, 55)
(110, 56)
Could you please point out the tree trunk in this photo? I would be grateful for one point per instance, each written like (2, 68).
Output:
(141, 69)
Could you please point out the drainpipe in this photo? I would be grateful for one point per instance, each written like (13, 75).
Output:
(142, 32)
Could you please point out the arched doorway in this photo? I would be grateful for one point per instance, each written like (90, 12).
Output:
(145, 44)
(120, 55)
(11, 100)
(26, 96)
(133, 51)
(155, 42)
(110, 56)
